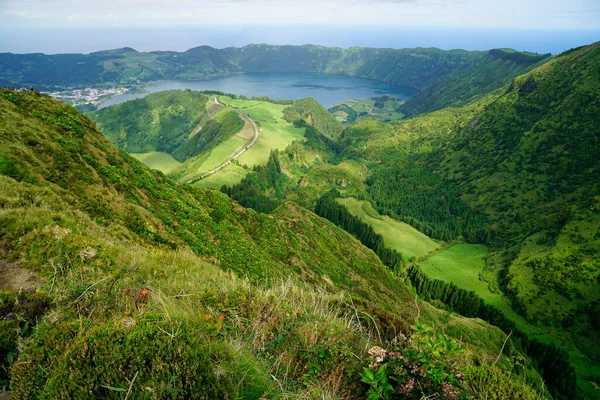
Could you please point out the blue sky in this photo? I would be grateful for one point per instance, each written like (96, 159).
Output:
(53, 26)
(554, 14)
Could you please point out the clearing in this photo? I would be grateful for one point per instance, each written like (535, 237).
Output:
(348, 111)
(164, 162)
(396, 234)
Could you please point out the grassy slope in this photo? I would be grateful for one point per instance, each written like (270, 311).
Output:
(75, 210)
(396, 235)
(461, 87)
(274, 133)
(158, 122)
(230, 175)
(183, 124)
(389, 112)
(534, 173)
(314, 115)
(503, 151)
(163, 162)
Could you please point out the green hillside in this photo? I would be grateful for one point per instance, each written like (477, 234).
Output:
(515, 169)
(534, 174)
(313, 113)
(180, 123)
(446, 78)
(460, 87)
(161, 290)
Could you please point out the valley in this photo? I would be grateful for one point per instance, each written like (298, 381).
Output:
(274, 230)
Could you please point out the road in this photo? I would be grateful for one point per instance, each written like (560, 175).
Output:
(236, 153)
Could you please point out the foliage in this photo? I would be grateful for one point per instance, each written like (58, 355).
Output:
(107, 360)
(552, 362)
(494, 70)
(19, 314)
(250, 191)
(313, 113)
(337, 213)
(175, 122)
(423, 200)
(423, 365)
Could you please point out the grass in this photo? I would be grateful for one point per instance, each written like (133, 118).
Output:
(396, 235)
(387, 113)
(274, 131)
(214, 157)
(230, 175)
(163, 162)
(141, 270)
(461, 264)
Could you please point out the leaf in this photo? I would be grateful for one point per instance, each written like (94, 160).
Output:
(114, 389)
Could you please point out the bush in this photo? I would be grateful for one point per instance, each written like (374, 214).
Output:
(152, 360)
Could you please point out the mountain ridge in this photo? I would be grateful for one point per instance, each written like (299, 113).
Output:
(417, 68)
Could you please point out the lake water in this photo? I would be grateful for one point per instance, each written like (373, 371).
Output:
(327, 89)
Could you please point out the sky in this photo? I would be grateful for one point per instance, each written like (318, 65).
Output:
(38, 25)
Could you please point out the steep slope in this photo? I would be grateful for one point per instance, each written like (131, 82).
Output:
(526, 158)
(458, 88)
(531, 162)
(134, 267)
(516, 169)
(181, 123)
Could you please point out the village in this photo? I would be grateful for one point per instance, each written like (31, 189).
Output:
(87, 95)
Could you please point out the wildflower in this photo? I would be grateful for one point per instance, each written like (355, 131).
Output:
(377, 354)
(449, 392)
(221, 317)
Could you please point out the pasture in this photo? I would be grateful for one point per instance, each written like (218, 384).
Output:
(163, 162)
(396, 234)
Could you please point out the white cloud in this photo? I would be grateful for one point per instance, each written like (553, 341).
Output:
(460, 13)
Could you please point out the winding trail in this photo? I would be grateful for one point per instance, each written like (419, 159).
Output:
(236, 153)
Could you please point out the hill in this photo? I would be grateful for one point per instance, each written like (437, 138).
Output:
(448, 78)
(155, 289)
(459, 88)
(313, 113)
(180, 123)
(534, 175)
(514, 170)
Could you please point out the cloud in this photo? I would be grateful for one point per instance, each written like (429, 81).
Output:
(486, 13)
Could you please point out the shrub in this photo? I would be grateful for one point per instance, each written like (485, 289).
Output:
(151, 360)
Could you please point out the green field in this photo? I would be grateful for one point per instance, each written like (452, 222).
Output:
(230, 175)
(396, 235)
(163, 162)
(459, 263)
(208, 161)
(275, 132)
(366, 109)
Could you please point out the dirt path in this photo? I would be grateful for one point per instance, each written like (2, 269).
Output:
(13, 277)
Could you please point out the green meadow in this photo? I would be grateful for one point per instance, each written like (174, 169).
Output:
(458, 263)
(205, 162)
(230, 175)
(396, 234)
(163, 162)
(274, 131)
(348, 111)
